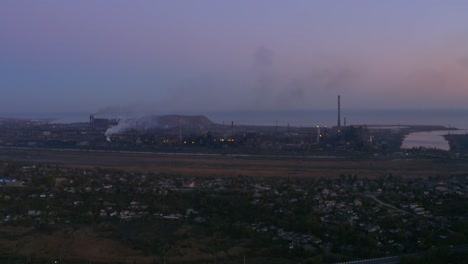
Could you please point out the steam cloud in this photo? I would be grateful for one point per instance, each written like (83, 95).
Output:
(275, 86)
(264, 75)
(139, 123)
(134, 116)
(263, 57)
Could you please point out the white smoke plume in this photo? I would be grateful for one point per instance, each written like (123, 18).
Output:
(138, 123)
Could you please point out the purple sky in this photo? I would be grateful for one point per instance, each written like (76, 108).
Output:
(171, 56)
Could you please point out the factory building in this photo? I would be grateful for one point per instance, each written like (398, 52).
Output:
(104, 122)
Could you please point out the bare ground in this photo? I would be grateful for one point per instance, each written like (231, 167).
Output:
(194, 165)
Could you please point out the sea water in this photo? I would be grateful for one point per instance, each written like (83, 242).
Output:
(308, 118)
(298, 118)
(432, 139)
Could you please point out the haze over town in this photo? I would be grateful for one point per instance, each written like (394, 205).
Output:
(168, 57)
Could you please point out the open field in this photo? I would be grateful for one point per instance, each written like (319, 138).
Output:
(81, 244)
(219, 165)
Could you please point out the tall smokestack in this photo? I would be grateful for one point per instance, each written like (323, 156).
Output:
(180, 129)
(318, 133)
(339, 112)
(232, 129)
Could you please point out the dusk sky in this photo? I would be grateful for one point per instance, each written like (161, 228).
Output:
(195, 56)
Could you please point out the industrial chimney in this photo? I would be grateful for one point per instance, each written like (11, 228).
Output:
(180, 129)
(318, 133)
(339, 113)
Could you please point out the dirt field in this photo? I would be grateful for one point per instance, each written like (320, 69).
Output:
(74, 244)
(218, 165)
(83, 245)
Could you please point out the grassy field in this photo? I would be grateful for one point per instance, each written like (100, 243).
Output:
(197, 165)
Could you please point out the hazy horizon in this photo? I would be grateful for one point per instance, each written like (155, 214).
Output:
(212, 56)
(312, 117)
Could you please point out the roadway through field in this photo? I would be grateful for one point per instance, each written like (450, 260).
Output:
(199, 164)
(386, 204)
(384, 260)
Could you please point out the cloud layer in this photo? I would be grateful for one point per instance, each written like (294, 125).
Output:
(169, 57)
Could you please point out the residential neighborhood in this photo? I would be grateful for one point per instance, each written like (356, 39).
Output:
(326, 219)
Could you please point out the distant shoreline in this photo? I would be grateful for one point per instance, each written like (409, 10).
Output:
(445, 118)
(413, 128)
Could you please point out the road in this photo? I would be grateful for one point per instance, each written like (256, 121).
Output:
(179, 153)
(216, 164)
(384, 260)
(385, 204)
